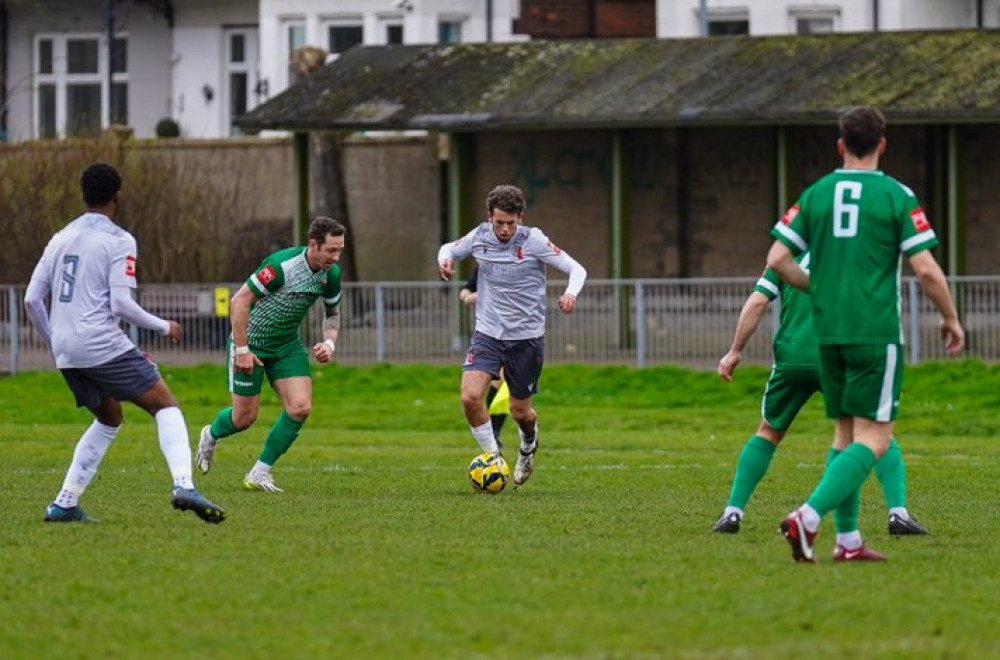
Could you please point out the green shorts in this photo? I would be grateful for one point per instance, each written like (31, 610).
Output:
(787, 390)
(292, 362)
(862, 380)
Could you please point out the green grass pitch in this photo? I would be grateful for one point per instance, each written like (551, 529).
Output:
(379, 548)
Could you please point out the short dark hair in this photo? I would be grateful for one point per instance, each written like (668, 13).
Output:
(506, 198)
(99, 183)
(861, 129)
(322, 226)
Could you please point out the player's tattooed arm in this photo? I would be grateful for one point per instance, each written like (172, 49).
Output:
(332, 320)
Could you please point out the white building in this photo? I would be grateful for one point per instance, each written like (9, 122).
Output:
(336, 25)
(198, 62)
(684, 18)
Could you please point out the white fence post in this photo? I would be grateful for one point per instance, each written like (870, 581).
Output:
(640, 325)
(379, 322)
(15, 331)
(914, 322)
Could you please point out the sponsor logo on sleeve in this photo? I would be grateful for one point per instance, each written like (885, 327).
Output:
(130, 266)
(790, 215)
(555, 248)
(920, 222)
(266, 274)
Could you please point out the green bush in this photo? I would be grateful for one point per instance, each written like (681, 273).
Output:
(167, 128)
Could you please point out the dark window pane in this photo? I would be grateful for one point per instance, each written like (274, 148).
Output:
(119, 104)
(449, 32)
(814, 25)
(296, 37)
(394, 34)
(237, 48)
(343, 37)
(119, 56)
(725, 28)
(83, 109)
(45, 56)
(81, 56)
(47, 111)
(237, 94)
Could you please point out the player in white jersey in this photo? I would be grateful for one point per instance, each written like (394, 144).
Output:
(89, 269)
(510, 316)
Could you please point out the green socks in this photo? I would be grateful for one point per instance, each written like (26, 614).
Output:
(845, 516)
(750, 469)
(844, 477)
(891, 474)
(222, 426)
(280, 438)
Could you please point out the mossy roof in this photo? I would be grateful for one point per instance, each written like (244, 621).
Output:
(943, 76)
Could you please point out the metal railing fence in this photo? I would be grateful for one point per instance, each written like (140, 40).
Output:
(636, 322)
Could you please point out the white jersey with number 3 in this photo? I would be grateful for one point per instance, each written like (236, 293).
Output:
(80, 265)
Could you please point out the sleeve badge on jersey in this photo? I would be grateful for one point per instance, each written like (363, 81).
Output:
(790, 215)
(130, 266)
(266, 274)
(919, 219)
(555, 248)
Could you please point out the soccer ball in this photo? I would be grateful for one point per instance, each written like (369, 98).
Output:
(488, 473)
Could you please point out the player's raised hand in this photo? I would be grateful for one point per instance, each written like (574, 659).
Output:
(567, 302)
(727, 365)
(953, 335)
(175, 332)
(446, 268)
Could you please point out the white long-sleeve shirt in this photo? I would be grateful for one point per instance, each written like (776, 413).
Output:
(510, 303)
(89, 268)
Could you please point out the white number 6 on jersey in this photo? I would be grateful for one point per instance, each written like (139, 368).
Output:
(845, 214)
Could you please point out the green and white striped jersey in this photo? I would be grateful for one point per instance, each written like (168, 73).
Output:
(856, 225)
(286, 288)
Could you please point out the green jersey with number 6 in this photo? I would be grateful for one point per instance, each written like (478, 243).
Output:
(856, 225)
(286, 288)
(795, 342)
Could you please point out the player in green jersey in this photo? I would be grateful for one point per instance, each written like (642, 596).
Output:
(857, 223)
(265, 315)
(793, 380)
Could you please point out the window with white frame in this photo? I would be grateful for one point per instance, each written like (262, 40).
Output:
(725, 21)
(342, 34)
(450, 30)
(814, 19)
(294, 37)
(241, 74)
(392, 31)
(71, 84)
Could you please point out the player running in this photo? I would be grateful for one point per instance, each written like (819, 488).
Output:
(265, 315)
(89, 268)
(510, 316)
(857, 223)
(793, 380)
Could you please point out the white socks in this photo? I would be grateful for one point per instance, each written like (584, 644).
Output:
(260, 468)
(733, 509)
(175, 446)
(810, 518)
(86, 457)
(900, 512)
(484, 436)
(850, 540)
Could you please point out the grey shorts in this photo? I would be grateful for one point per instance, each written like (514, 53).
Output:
(521, 360)
(124, 378)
